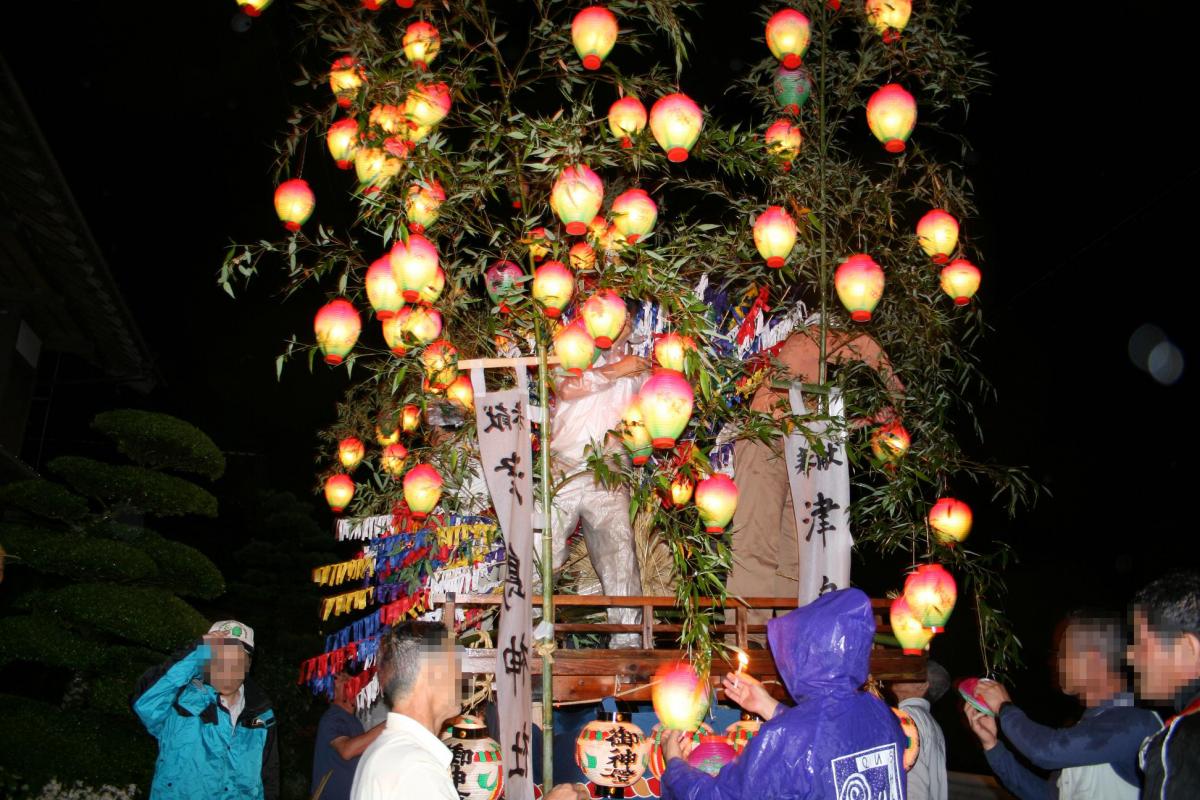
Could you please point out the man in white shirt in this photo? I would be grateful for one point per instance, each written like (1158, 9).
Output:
(927, 778)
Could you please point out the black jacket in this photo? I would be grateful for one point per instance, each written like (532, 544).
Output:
(1170, 758)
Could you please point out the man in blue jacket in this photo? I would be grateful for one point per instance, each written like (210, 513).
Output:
(838, 741)
(215, 728)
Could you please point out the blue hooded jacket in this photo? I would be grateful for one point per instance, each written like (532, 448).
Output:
(838, 742)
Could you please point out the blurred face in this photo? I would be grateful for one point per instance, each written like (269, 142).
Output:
(1162, 665)
(444, 682)
(229, 665)
(1080, 669)
(339, 687)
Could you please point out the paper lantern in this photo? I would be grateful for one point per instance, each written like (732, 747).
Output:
(655, 759)
(604, 315)
(576, 197)
(671, 349)
(711, 754)
(575, 348)
(422, 490)
(792, 88)
(775, 235)
(890, 442)
(433, 290)
(372, 5)
(680, 490)
(741, 732)
(475, 760)
(406, 3)
(553, 287)
(393, 331)
(422, 325)
(342, 141)
(950, 520)
(666, 406)
(386, 433)
(634, 435)
(351, 451)
(634, 214)
(422, 204)
(382, 291)
(393, 458)
(716, 500)
(783, 142)
(908, 630)
(536, 241)
(889, 17)
(501, 281)
(679, 696)
(937, 233)
(626, 119)
(461, 393)
(410, 417)
(252, 8)
(427, 104)
(582, 257)
(960, 281)
(440, 360)
(414, 264)
(346, 77)
(968, 690)
(892, 115)
(375, 168)
(676, 122)
(611, 752)
(594, 32)
(387, 118)
(339, 491)
(931, 594)
(421, 44)
(788, 35)
(912, 738)
(859, 284)
(294, 203)
(337, 326)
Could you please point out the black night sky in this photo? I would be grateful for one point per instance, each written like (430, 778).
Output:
(162, 115)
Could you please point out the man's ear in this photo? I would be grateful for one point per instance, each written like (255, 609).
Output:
(1191, 649)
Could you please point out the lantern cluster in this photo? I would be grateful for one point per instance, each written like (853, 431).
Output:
(924, 608)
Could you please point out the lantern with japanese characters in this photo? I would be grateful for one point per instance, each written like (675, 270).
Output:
(351, 452)
(716, 499)
(783, 142)
(774, 235)
(634, 435)
(393, 458)
(345, 79)
(859, 284)
(422, 204)
(553, 287)
(574, 348)
(912, 738)
(960, 281)
(788, 35)
(931, 594)
(594, 32)
(294, 203)
(950, 520)
(634, 214)
(604, 315)
(502, 283)
(667, 400)
(611, 752)
(461, 393)
(342, 141)
(337, 326)
(440, 360)
(339, 491)
(414, 264)
(711, 754)
(792, 88)
(908, 630)
(937, 233)
(626, 119)
(739, 733)
(576, 197)
(889, 17)
(421, 44)
(422, 490)
(890, 442)
(382, 291)
(427, 104)
(671, 349)
(676, 121)
(892, 115)
(475, 760)
(252, 8)
(410, 417)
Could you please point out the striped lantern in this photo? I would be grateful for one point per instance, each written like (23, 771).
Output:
(654, 754)
(741, 732)
(475, 759)
(792, 88)
(611, 752)
(912, 738)
(711, 755)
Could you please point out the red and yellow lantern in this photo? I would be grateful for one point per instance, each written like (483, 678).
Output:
(604, 314)
(716, 500)
(937, 233)
(680, 490)
(537, 242)
(342, 141)
(422, 204)
(502, 282)
(783, 142)
(382, 291)
(960, 281)
(626, 119)
(422, 325)
(859, 284)
(594, 32)
(294, 203)
(553, 287)
(951, 520)
(339, 491)
(422, 490)
(576, 197)
(889, 17)
(337, 326)
(375, 168)
(421, 44)
(788, 35)
(386, 432)
(908, 630)
(931, 594)
(666, 406)
(252, 8)
(582, 257)
(427, 104)
(351, 451)
(461, 393)
(575, 348)
(440, 360)
(393, 458)
(634, 214)
(679, 696)
(890, 442)
(410, 418)
(892, 115)
(676, 122)
(372, 5)
(742, 731)
(775, 235)
(671, 349)
(393, 331)
(414, 265)
(433, 290)
(346, 77)
(634, 435)
(388, 119)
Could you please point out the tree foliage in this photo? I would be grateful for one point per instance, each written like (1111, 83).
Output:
(123, 485)
(160, 441)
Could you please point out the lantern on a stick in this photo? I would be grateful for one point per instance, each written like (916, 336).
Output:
(626, 119)
(594, 32)
(339, 491)
(422, 490)
(960, 281)
(666, 400)
(337, 326)
(553, 287)
(931, 594)
(716, 499)
(676, 121)
(937, 233)
(775, 235)
(788, 35)
(634, 214)
(892, 115)
(951, 520)
(294, 203)
(859, 284)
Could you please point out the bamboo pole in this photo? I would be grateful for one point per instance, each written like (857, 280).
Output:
(547, 566)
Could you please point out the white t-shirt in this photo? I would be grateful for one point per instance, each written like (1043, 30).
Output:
(406, 761)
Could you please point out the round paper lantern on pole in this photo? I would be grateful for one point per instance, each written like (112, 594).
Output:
(604, 315)
(859, 284)
(351, 451)
(422, 204)
(741, 732)
(912, 738)
(634, 435)
(252, 8)
(337, 326)
(410, 418)
(671, 349)
(582, 257)
(575, 348)
(393, 458)
(788, 35)
(890, 442)
(576, 197)
(634, 214)
(783, 142)
(937, 233)
(342, 141)
(461, 393)
(427, 104)
(479, 770)
(775, 235)
(440, 360)
(382, 291)
(294, 203)
(716, 500)
(346, 77)
(421, 44)
(711, 755)
(414, 264)
(422, 325)
(892, 115)
(553, 287)
(679, 696)
(889, 17)
(594, 32)
(676, 121)
(908, 630)
(792, 88)
(931, 594)
(666, 406)
(422, 490)
(960, 281)
(501, 282)
(433, 289)
(339, 491)
(951, 520)
(611, 752)
(626, 119)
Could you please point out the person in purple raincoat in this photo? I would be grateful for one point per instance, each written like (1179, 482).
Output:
(837, 743)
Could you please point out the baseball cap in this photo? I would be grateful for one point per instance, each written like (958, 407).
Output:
(232, 629)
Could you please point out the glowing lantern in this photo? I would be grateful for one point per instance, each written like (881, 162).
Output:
(716, 500)
(386, 433)
(671, 349)
(775, 235)
(375, 168)
(372, 5)
(604, 314)
(339, 491)
(582, 256)
(890, 442)
(576, 197)
(422, 204)
(675, 122)
(410, 418)
(337, 326)
(859, 284)
(626, 119)
(594, 32)
(382, 291)
(907, 628)
(931, 594)
(788, 34)
(479, 774)
(389, 119)
(500, 280)
(342, 141)
(937, 233)
(657, 761)
(536, 240)
(912, 738)
(422, 325)
(960, 280)
(427, 104)
(421, 44)
(345, 79)
(422, 490)
(294, 202)
(666, 406)
(634, 214)
(441, 364)
(951, 520)
(553, 287)
(597, 228)
(406, 3)
(741, 732)
(252, 8)
(607, 740)
(680, 698)
(634, 435)
(889, 17)
(393, 330)
(711, 754)
(681, 490)
(783, 142)
(415, 265)
(575, 348)
(461, 393)
(792, 88)
(433, 289)
(393, 458)
(351, 452)
(892, 115)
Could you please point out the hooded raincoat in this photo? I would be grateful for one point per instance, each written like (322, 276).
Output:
(838, 742)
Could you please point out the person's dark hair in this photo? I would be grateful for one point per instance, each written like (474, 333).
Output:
(1100, 631)
(401, 651)
(1171, 604)
(938, 679)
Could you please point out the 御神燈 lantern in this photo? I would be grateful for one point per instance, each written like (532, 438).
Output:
(421, 44)
(676, 121)
(679, 696)
(342, 141)
(502, 282)
(414, 264)
(634, 214)
(410, 417)
(604, 314)
(594, 32)
(294, 203)
(783, 142)
(576, 197)
(393, 331)
(889, 17)
(462, 393)
(892, 115)
(375, 168)
(252, 8)
(792, 88)
(908, 630)
(582, 257)
(479, 771)
(626, 119)
(666, 400)
(960, 281)
(337, 326)
(422, 204)
(440, 360)
(393, 458)
(937, 233)
(339, 491)
(382, 291)
(951, 520)
(788, 35)
(422, 490)
(611, 753)
(346, 77)
(671, 349)
(427, 104)
(433, 290)
(351, 451)
(890, 442)
(931, 594)
(553, 287)
(716, 499)
(422, 325)
(634, 435)
(575, 348)
(775, 235)
(859, 284)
